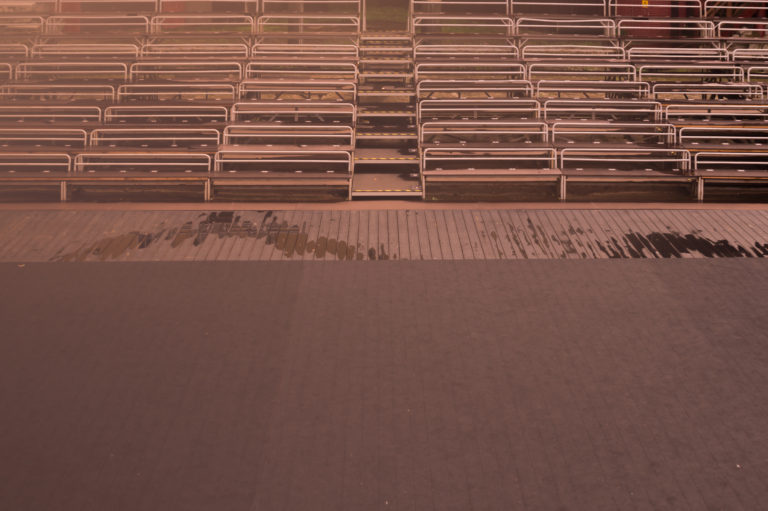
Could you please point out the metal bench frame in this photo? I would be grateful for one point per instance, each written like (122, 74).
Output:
(690, 27)
(202, 24)
(85, 50)
(594, 110)
(488, 132)
(315, 90)
(582, 71)
(187, 70)
(475, 70)
(174, 114)
(474, 89)
(127, 138)
(97, 24)
(51, 114)
(308, 25)
(477, 25)
(591, 88)
(307, 111)
(104, 71)
(62, 138)
(702, 91)
(223, 92)
(197, 50)
(740, 6)
(343, 137)
(476, 110)
(262, 175)
(603, 132)
(745, 112)
(308, 70)
(539, 27)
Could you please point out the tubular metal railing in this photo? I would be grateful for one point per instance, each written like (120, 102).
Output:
(34, 164)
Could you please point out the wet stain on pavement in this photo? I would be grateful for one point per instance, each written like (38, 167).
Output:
(292, 241)
(497, 244)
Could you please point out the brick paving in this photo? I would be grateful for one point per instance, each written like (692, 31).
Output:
(531, 385)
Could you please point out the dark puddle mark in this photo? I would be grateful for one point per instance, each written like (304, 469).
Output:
(185, 232)
(535, 235)
(111, 247)
(610, 251)
(290, 243)
(632, 253)
(215, 223)
(674, 245)
(638, 243)
(517, 240)
(293, 240)
(567, 242)
(281, 237)
(301, 242)
(497, 243)
(320, 247)
(666, 247)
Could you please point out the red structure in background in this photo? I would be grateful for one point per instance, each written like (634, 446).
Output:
(644, 8)
(653, 9)
(71, 7)
(175, 7)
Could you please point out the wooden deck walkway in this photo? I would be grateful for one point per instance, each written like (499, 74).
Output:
(349, 235)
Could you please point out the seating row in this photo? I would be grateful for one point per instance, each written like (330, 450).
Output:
(431, 134)
(72, 25)
(422, 25)
(697, 8)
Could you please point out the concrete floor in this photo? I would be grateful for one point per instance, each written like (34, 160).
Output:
(635, 384)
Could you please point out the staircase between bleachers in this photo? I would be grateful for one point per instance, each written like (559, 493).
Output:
(386, 156)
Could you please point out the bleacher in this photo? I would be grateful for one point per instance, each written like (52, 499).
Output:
(660, 99)
(296, 100)
(215, 96)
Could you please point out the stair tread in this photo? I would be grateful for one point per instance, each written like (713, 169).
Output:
(386, 135)
(384, 153)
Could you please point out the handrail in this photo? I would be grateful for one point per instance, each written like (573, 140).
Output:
(171, 113)
(154, 162)
(96, 24)
(734, 160)
(45, 163)
(50, 114)
(625, 159)
(68, 137)
(167, 137)
(652, 133)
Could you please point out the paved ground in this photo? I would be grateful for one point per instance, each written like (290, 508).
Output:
(594, 385)
(413, 234)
